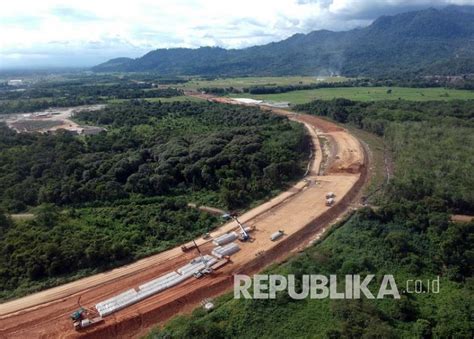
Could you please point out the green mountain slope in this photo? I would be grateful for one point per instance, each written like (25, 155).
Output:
(430, 41)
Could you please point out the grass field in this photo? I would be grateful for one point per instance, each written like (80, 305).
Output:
(172, 99)
(257, 81)
(367, 94)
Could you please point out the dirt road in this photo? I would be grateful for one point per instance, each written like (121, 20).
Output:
(300, 212)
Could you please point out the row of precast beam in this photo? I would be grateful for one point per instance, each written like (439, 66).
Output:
(168, 280)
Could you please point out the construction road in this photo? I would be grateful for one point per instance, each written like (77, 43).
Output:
(300, 212)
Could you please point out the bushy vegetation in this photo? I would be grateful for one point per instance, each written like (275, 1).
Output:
(301, 87)
(433, 144)
(375, 116)
(152, 149)
(125, 190)
(56, 246)
(220, 90)
(118, 91)
(384, 242)
(32, 105)
(76, 92)
(409, 235)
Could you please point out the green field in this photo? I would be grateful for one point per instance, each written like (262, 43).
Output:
(172, 99)
(366, 94)
(258, 81)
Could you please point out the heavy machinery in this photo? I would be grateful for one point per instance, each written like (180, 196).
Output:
(84, 317)
(226, 216)
(244, 235)
(207, 304)
(188, 246)
(87, 322)
(330, 195)
(277, 235)
(78, 314)
(330, 202)
(207, 269)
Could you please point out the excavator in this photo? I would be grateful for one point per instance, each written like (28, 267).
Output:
(84, 317)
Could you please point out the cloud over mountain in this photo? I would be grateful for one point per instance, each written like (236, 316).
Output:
(85, 32)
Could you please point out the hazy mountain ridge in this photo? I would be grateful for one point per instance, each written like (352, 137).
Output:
(426, 41)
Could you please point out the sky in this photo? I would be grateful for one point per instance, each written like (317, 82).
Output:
(81, 33)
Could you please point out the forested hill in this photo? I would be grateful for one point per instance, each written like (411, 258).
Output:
(431, 41)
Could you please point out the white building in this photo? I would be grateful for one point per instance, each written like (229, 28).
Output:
(15, 82)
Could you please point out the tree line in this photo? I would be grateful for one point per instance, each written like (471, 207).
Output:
(432, 142)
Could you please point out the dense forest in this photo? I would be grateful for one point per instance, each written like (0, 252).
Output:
(409, 235)
(33, 105)
(106, 199)
(433, 143)
(116, 91)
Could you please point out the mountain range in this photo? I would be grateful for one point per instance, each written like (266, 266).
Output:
(431, 41)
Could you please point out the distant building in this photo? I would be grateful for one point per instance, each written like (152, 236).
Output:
(15, 82)
(248, 101)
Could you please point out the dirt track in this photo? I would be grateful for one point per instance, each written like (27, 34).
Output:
(300, 212)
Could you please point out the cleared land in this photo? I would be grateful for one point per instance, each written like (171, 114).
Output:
(301, 212)
(366, 94)
(51, 120)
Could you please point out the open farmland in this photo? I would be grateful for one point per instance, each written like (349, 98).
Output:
(171, 99)
(258, 81)
(366, 94)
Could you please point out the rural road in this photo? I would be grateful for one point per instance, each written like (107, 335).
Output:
(300, 211)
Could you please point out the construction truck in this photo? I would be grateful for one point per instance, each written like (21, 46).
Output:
(188, 246)
(226, 216)
(277, 235)
(83, 318)
(330, 201)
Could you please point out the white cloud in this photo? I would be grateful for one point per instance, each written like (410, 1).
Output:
(85, 32)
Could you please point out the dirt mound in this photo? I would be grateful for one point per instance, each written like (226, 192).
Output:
(352, 168)
(322, 124)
